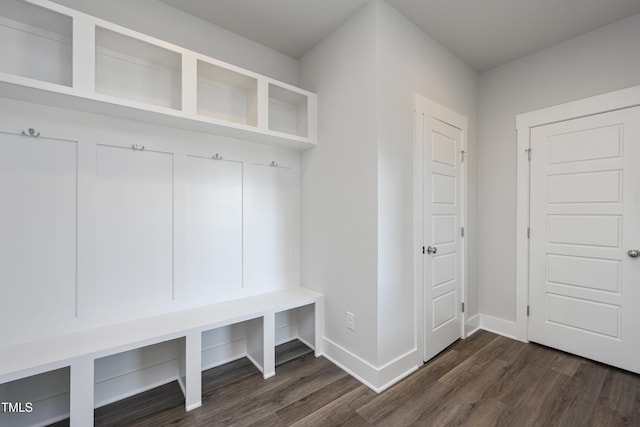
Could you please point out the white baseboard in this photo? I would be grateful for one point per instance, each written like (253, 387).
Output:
(377, 379)
(307, 343)
(358, 368)
(499, 326)
(397, 370)
(472, 325)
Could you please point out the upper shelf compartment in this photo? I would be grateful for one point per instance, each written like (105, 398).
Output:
(35, 43)
(133, 69)
(288, 111)
(228, 95)
(62, 57)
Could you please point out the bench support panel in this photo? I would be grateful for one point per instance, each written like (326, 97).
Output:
(193, 371)
(81, 398)
(269, 345)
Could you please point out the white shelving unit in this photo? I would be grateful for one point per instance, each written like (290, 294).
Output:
(227, 95)
(288, 111)
(65, 58)
(133, 69)
(36, 43)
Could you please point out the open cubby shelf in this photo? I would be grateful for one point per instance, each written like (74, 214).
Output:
(227, 95)
(132, 69)
(36, 43)
(288, 111)
(66, 58)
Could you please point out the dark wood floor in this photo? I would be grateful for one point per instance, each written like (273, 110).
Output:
(485, 380)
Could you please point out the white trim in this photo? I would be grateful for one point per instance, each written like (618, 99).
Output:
(522, 230)
(355, 366)
(612, 101)
(396, 370)
(457, 120)
(472, 325)
(506, 328)
(377, 379)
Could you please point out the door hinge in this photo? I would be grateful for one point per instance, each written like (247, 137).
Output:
(527, 311)
(462, 232)
(528, 232)
(423, 249)
(463, 307)
(528, 150)
(462, 155)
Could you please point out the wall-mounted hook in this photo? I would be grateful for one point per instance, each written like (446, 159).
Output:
(216, 157)
(138, 147)
(274, 164)
(32, 133)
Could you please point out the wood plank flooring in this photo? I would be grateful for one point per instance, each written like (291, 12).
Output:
(485, 380)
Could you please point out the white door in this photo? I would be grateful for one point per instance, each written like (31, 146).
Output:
(585, 223)
(442, 217)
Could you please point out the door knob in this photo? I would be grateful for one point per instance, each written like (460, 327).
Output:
(633, 253)
(432, 250)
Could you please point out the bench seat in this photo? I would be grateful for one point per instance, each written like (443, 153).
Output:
(79, 350)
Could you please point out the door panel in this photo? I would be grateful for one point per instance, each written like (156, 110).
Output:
(442, 209)
(593, 273)
(585, 216)
(589, 187)
(445, 310)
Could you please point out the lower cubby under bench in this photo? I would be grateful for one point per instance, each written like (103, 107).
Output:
(79, 351)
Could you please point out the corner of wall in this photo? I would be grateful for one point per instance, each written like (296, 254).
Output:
(376, 378)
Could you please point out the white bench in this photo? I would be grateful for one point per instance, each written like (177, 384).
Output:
(78, 351)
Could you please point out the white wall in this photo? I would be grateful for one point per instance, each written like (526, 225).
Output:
(162, 21)
(357, 184)
(597, 62)
(409, 61)
(338, 181)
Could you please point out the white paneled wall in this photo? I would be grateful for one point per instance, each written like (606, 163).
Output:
(38, 182)
(268, 234)
(134, 236)
(214, 225)
(95, 232)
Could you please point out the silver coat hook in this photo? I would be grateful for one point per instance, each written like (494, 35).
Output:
(274, 164)
(138, 147)
(32, 133)
(217, 157)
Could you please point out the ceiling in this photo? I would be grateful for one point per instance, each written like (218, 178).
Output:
(292, 27)
(483, 33)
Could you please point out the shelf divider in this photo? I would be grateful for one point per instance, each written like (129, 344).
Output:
(263, 105)
(84, 50)
(189, 84)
